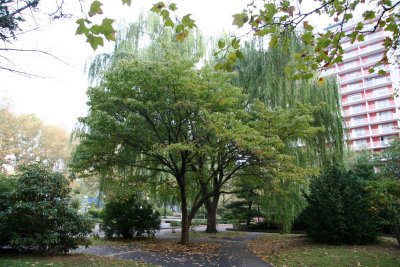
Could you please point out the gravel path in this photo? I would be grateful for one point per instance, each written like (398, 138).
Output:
(232, 252)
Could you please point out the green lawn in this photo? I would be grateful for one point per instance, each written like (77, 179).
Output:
(297, 250)
(75, 260)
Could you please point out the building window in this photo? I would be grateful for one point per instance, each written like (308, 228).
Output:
(383, 103)
(386, 140)
(381, 91)
(385, 115)
(359, 144)
(355, 97)
(386, 128)
(358, 120)
(359, 132)
(358, 108)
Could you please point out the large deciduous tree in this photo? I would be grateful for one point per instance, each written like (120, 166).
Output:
(192, 125)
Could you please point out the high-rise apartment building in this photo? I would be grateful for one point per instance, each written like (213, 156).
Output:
(369, 106)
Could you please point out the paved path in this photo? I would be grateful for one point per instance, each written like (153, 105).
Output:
(231, 252)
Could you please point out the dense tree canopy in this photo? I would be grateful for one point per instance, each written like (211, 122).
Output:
(26, 139)
(277, 20)
(193, 125)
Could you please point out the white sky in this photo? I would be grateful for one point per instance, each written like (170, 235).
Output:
(61, 97)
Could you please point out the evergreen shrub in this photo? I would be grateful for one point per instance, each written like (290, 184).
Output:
(39, 215)
(339, 211)
(130, 216)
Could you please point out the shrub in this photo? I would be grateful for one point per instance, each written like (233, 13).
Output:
(338, 210)
(7, 184)
(39, 214)
(95, 214)
(129, 216)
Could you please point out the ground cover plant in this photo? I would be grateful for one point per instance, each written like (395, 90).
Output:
(299, 250)
(76, 260)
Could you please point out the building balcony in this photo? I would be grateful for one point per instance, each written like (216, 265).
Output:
(351, 88)
(377, 82)
(351, 78)
(371, 49)
(349, 46)
(360, 146)
(368, 97)
(358, 111)
(387, 117)
(379, 107)
(381, 144)
(359, 135)
(358, 123)
(349, 102)
(388, 131)
(349, 56)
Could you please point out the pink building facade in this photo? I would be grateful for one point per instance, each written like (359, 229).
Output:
(370, 108)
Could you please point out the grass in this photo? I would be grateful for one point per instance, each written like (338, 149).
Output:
(298, 250)
(75, 260)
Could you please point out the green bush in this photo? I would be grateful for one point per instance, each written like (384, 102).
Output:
(338, 210)
(96, 214)
(39, 214)
(175, 223)
(129, 216)
(7, 184)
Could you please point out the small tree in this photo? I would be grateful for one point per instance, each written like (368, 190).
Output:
(39, 214)
(338, 208)
(129, 216)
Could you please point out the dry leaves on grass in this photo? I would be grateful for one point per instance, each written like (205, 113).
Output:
(271, 244)
(194, 248)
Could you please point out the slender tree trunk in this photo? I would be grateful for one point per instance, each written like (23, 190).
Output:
(185, 222)
(249, 214)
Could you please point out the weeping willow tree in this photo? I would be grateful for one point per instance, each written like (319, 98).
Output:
(263, 75)
(146, 39)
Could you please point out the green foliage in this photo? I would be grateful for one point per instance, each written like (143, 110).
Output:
(7, 185)
(193, 126)
(339, 210)
(263, 75)
(388, 162)
(385, 191)
(129, 216)
(240, 211)
(160, 45)
(95, 213)
(39, 213)
(386, 199)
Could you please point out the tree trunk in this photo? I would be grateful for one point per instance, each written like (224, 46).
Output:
(249, 214)
(212, 215)
(185, 222)
(211, 221)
